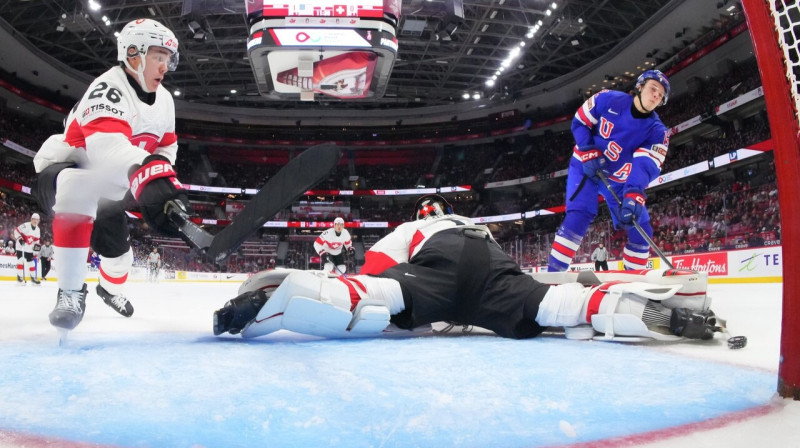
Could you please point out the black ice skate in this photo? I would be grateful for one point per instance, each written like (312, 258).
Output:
(20, 281)
(35, 281)
(238, 312)
(118, 303)
(70, 306)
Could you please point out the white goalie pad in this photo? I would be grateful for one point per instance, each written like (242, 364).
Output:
(692, 293)
(619, 317)
(268, 281)
(310, 302)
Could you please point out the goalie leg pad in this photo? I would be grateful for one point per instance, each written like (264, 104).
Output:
(308, 315)
(616, 310)
(317, 305)
(320, 303)
(691, 295)
(267, 281)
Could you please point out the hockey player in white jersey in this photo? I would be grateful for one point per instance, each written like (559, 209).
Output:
(28, 236)
(443, 267)
(330, 245)
(119, 138)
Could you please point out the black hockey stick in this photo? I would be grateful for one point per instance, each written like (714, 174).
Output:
(288, 184)
(641, 231)
(191, 232)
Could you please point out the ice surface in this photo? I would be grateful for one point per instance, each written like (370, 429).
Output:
(161, 379)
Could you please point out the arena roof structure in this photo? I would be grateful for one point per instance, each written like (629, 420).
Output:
(443, 59)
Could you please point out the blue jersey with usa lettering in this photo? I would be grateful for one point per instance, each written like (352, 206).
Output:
(634, 148)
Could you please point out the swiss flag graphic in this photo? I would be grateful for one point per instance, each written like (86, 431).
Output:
(339, 10)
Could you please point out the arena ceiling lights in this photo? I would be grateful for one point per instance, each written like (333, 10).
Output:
(477, 50)
(515, 52)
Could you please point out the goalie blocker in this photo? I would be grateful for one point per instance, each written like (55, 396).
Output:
(644, 305)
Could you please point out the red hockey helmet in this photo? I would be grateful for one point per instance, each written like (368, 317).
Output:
(431, 205)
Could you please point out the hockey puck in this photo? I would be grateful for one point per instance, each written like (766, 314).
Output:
(737, 342)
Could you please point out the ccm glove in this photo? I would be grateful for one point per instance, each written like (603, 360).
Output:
(593, 160)
(153, 184)
(632, 206)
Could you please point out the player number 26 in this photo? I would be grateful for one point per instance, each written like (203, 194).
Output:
(112, 95)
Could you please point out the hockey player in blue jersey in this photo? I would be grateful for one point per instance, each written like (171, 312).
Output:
(623, 136)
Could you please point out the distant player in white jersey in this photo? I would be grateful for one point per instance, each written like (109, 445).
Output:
(329, 246)
(27, 235)
(120, 137)
(153, 265)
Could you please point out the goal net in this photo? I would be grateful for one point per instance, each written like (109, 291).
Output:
(775, 31)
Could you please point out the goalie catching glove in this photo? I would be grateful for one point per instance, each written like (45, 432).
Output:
(153, 185)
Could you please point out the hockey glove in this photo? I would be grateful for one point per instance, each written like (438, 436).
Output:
(351, 249)
(593, 160)
(632, 206)
(153, 184)
(20, 242)
(324, 257)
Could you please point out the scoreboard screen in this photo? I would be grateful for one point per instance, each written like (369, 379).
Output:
(342, 48)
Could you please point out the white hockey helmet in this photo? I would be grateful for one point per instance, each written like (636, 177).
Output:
(338, 221)
(35, 216)
(138, 36)
(141, 34)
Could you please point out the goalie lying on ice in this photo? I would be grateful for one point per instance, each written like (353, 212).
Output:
(443, 267)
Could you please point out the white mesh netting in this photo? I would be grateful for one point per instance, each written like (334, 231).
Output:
(787, 23)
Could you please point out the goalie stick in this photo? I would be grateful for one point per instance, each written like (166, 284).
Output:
(288, 184)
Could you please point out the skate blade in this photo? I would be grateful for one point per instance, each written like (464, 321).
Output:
(63, 334)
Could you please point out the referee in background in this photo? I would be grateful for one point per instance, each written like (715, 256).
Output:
(600, 258)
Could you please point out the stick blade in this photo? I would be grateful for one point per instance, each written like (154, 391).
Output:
(292, 181)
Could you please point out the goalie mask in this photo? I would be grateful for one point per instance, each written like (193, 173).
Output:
(137, 37)
(431, 205)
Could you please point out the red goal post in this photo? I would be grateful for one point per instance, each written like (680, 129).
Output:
(775, 31)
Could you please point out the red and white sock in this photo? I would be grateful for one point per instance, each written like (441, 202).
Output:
(71, 237)
(114, 272)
